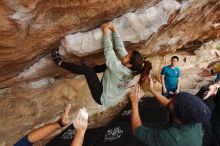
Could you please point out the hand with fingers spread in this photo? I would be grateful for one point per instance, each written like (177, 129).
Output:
(81, 121)
(136, 94)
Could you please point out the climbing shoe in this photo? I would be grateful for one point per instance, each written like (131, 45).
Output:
(56, 56)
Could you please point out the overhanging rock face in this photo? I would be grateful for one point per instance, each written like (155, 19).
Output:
(157, 28)
(133, 27)
(34, 91)
(29, 29)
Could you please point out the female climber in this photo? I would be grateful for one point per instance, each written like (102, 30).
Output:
(119, 69)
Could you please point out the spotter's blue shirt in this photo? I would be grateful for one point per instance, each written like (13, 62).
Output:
(171, 77)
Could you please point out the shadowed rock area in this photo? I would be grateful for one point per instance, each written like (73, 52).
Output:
(34, 91)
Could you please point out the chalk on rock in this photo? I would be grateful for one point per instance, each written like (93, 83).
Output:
(133, 27)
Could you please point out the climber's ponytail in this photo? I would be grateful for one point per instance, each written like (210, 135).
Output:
(139, 66)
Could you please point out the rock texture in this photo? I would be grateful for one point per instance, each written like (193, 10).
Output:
(34, 91)
(29, 28)
(133, 27)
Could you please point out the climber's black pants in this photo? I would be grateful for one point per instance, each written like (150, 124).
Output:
(93, 81)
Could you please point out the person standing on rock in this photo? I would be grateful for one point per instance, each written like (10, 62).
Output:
(171, 78)
(119, 69)
(80, 123)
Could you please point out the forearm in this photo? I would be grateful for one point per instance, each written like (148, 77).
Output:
(163, 100)
(119, 44)
(178, 83)
(78, 138)
(110, 56)
(107, 43)
(106, 40)
(163, 82)
(42, 132)
(135, 117)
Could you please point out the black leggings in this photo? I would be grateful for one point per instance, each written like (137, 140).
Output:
(93, 81)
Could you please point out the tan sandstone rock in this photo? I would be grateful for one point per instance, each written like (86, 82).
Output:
(34, 91)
